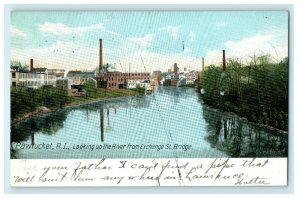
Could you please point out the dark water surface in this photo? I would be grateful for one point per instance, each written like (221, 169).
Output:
(169, 123)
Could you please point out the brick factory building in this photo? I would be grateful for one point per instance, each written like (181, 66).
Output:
(116, 80)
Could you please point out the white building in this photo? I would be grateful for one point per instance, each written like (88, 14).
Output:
(191, 78)
(35, 79)
(146, 84)
(132, 84)
(64, 83)
(162, 80)
(59, 73)
(80, 77)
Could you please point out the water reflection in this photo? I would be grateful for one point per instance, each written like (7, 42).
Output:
(238, 138)
(51, 123)
(127, 103)
(175, 94)
(102, 124)
(168, 116)
(47, 124)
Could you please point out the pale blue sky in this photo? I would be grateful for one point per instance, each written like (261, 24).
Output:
(70, 39)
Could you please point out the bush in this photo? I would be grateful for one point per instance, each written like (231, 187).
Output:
(140, 90)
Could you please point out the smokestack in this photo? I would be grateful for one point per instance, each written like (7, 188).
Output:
(31, 65)
(202, 63)
(175, 68)
(100, 55)
(224, 61)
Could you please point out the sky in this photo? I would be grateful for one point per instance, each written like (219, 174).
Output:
(145, 40)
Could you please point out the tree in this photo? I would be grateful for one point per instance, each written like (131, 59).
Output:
(233, 76)
(257, 91)
(211, 82)
(90, 88)
(17, 66)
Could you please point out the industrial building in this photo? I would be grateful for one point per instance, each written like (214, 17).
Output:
(37, 77)
(115, 79)
(80, 77)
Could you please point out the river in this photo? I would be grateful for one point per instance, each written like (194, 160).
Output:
(169, 123)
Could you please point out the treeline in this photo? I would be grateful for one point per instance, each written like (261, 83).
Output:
(25, 100)
(257, 91)
(18, 66)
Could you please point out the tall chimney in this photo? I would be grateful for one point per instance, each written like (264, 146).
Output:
(100, 55)
(31, 65)
(224, 61)
(202, 63)
(175, 68)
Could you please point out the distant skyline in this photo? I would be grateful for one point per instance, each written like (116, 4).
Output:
(70, 40)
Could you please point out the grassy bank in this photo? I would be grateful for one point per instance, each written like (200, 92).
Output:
(140, 90)
(27, 102)
(102, 94)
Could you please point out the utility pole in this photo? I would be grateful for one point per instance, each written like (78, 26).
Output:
(202, 63)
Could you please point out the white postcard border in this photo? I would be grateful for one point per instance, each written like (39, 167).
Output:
(149, 172)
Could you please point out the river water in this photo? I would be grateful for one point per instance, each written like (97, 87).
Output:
(169, 123)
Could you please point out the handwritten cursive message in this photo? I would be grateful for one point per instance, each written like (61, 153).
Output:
(150, 172)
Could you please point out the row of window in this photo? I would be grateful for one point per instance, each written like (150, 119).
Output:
(112, 84)
(128, 74)
(28, 75)
(32, 83)
(62, 82)
(121, 79)
(32, 76)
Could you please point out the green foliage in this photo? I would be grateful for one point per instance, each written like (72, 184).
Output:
(211, 82)
(21, 102)
(50, 96)
(17, 66)
(26, 100)
(140, 90)
(90, 88)
(257, 91)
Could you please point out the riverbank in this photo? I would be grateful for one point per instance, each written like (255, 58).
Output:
(143, 118)
(100, 95)
(245, 120)
(257, 91)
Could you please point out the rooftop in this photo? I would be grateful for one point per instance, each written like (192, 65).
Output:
(39, 70)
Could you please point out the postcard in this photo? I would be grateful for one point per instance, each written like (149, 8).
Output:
(149, 98)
